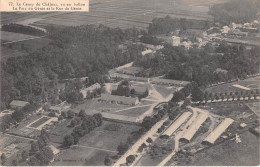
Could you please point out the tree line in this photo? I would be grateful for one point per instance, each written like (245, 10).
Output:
(238, 11)
(167, 25)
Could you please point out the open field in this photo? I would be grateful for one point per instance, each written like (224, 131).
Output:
(232, 110)
(165, 91)
(251, 83)
(11, 36)
(60, 130)
(230, 153)
(134, 112)
(80, 156)
(118, 13)
(93, 147)
(105, 139)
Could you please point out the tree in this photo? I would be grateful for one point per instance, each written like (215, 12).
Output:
(107, 161)
(33, 161)
(34, 147)
(98, 117)
(79, 131)
(25, 155)
(149, 140)
(197, 94)
(122, 148)
(70, 114)
(82, 114)
(130, 159)
(60, 118)
(68, 140)
(18, 116)
(178, 96)
(45, 156)
(186, 103)
(15, 162)
(3, 158)
(73, 123)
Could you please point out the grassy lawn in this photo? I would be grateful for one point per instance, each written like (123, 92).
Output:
(105, 139)
(134, 112)
(59, 131)
(164, 91)
(230, 153)
(231, 110)
(78, 156)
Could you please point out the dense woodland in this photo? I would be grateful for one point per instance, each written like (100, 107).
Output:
(238, 11)
(18, 28)
(92, 50)
(73, 52)
(200, 65)
(167, 24)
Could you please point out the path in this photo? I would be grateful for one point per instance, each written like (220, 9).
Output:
(177, 137)
(23, 40)
(7, 134)
(134, 148)
(133, 107)
(100, 149)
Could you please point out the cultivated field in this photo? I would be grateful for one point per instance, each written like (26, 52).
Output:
(105, 139)
(22, 130)
(93, 147)
(124, 13)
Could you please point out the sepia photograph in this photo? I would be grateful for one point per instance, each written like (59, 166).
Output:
(130, 83)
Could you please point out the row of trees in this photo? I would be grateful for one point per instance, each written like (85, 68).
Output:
(199, 95)
(18, 28)
(83, 127)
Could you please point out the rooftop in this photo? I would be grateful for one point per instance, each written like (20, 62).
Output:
(19, 103)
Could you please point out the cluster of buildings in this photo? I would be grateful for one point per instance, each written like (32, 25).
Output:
(58, 109)
(18, 104)
(86, 91)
